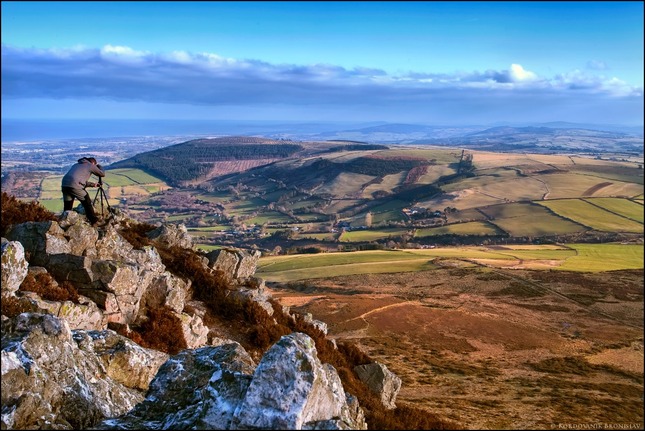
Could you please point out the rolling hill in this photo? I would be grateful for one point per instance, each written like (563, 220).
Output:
(339, 194)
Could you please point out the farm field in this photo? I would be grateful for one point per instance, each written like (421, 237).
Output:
(570, 257)
(623, 207)
(371, 235)
(572, 185)
(530, 220)
(593, 216)
(469, 228)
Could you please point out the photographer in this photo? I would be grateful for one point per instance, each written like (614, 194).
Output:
(74, 184)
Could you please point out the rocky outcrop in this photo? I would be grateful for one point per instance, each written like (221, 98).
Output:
(235, 263)
(14, 266)
(381, 381)
(55, 378)
(221, 388)
(117, 283)
(172, 235)
(62, 368)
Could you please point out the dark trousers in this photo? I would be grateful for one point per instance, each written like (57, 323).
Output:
(71, 193)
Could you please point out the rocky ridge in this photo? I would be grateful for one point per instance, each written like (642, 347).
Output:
(64, 366)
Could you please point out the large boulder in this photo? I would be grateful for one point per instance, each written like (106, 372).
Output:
(172, 235)
(14, 266)
(40, 240)
(381, 381)
(235, 263)
(291, 388)
(52, 381)
(221, 388)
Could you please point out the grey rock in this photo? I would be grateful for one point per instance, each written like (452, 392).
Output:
(381, 381)
(14, 266)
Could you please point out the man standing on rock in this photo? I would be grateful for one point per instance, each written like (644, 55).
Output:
(74, 184)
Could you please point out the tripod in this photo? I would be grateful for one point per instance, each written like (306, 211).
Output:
(100, 194)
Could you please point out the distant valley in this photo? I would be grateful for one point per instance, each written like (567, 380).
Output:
(497, 185)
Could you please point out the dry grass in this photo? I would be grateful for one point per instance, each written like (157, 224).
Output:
(469, 354)
(256, 330)
(11, 306)
(15, 212)
(47, 288)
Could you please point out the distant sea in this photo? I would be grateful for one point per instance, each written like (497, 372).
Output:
(34, 130)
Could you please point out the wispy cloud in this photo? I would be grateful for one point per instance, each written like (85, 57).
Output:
(125, 74)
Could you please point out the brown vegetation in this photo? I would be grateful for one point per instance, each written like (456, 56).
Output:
(12, 306)
(257, 331)
(162, 331)
(503, 349)
(14, 211)
(47, 288)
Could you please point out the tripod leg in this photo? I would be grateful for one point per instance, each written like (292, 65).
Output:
(98, 196)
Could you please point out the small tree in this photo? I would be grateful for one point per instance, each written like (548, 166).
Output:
(368, 219)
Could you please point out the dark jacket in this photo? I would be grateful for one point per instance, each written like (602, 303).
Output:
(78, 175)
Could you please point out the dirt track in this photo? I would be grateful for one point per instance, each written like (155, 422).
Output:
(502, 349)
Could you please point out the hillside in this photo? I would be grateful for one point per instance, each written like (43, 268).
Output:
(365, 196)
(195, 160)
(251, 191)
(493, 348)
(129, 327)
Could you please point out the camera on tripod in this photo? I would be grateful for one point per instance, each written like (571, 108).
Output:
(101, 196)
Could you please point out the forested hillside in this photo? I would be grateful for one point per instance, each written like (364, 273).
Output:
(194, 159)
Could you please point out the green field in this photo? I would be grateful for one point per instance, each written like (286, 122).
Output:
(590, 215)
(297, 267)
(620, 206)
(538, 225)
(53, 205)
(318, 236)
(271, 217)
(371, 235)
(414, 265)
(244, 207)
(572, 257)
(527, 219)
(604, 257)
(208, 247)
(469, 228)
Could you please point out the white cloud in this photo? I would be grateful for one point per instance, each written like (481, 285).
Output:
(123, 54)
(519, 74)
(124, 74)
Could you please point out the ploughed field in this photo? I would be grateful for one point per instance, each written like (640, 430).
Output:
(495, 348)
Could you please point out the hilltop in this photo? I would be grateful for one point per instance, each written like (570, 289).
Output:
(200, 160)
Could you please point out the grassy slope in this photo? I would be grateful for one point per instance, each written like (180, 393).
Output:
(572, 257)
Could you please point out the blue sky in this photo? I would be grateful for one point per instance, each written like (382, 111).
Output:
(418, 62)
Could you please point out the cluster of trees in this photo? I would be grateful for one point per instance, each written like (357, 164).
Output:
(379, 167)
(193, 159)
(357, 147)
